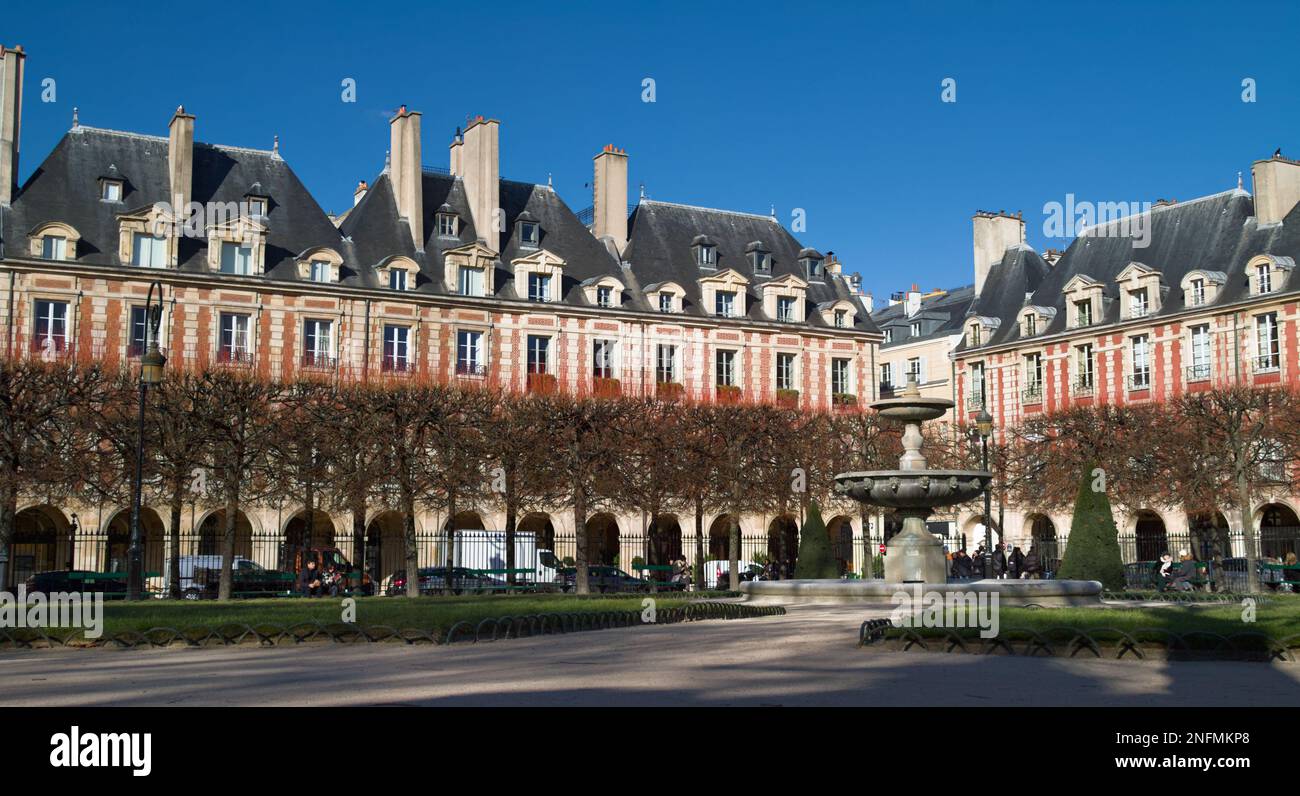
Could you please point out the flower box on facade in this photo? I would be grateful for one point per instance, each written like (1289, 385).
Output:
(669, 390)
(606, 388)
(787, 398)
(844, 399)
(728, 394)
(542, 383)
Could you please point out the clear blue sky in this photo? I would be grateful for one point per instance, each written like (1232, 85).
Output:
(834, 108)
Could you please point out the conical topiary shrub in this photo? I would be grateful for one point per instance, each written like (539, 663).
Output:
(815, 557)
(1092, 551)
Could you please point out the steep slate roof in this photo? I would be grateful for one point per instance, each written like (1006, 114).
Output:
(65, 188)
(945, 314)
(1214, 233)
(659, 250)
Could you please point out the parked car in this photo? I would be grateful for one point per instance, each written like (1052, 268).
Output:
(717, 574)
(75, 580)
(601, 578)
(434, 580)
(196, 572)
(249, 579)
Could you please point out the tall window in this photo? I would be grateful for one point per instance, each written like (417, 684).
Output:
(724, 302)
(915, 329)
(604, 296)
(54, 247)
(841, 318)
(539, 354)
(1083, 366)
(318, 342)
(1141, 362)
(666, 363)
(1137, 303)
(975, 334)
(397, 279)
(148, 251)
(1034, 372)
(914, 369)
(235, 339)
(785, 371)
(1198, 292)
(977, 381)
(1083, 313)
(397, 348)
(602, 359)
(469, 352)
(1267, 344)
(471, 281)
(1031, 325)
(726, 368)
(1264, 278)
(139, 331)
(1200, 368)
(840, 377)
(886, 375)
(888, 335)
(236, 259)
(51, 328)
(785, 308)
(320, 271)
(539, 287)
(665, 302)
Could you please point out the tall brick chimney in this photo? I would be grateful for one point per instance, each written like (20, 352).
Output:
(480, 161)
(180, 161)
(609, 199)
(994, 234)
(1277, 188)
(11, 119)
(406, 172)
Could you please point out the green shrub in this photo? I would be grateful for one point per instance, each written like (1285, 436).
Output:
(1092, 551)
(815, 559)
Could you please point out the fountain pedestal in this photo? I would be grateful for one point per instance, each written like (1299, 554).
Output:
(915, 554)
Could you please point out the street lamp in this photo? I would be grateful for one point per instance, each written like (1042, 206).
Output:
(984, 423)
(151, 373)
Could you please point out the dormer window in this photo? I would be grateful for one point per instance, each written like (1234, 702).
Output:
(760, 261)
(603, 291)
(1197, 293)
(1201, 287)
(398, 273)
(148, 251)
(666, 302)
(724, 305)
(889, 336)
(236, 258)
(841, 318)
(397, 279)
(321, 271)
(785, 309)
(706, 254)
(1268, 273)
(1138, 303)
(1140, 291)
(1031, 325)
(319, 264)
(448, 222)
(110, 190)
(54, 247)
(470, 281)
(539, 287)
(257, 205)
(54, 241)
(813, 265)
(975, 335)
(1264, 278)
(530, 232)
(915, 329)
(665, 296)
(981, 329)
(604, 296)
(1083, 312)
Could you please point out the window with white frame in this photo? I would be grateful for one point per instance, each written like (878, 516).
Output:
(139, 332)
(888, 335)
(1198, 292)
(1138, 303)
(604, 296)
(813, 267)
(1031, 325)
(666, 302)
(602, 359)
(1083, 372)
(235, 338)
(471, 281)
(1264, 278)
(785, 306)
(1200, 367)
(760, 261)
(529, 233)
(111, 191)
(724, 303)
(397, 348)
(785, 371)
(469, 353)
(840, 377)
(54, 247)
(50, 328)
(321, 271)
(148, 251)
(666, 363)
(397, 278)
(1141, 376)
(915, 329)
(706, 255)
(539, 353)
(317, 342)
(914, 370)
(1268, 352)
(977, 381)
(236, 258)
(725, 372)
(1034, 374)
(1083, 312)
(256, 205)
(539, 287)
(446, 225)
(841, 318)
(886, 375)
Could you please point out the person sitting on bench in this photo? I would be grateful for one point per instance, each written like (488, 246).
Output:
(310, 579)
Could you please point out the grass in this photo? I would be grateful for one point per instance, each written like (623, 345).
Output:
(423, 613)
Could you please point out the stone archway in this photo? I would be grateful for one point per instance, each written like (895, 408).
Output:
(1211, 536)
(1150, 538)
(603, 540)
(840, 531)
(1279, 530)
(213, 528)
(664, 540)
(720, 539)
(41, 542)
(783, 544)
(116, 555)
(385, 547)
(303, 530)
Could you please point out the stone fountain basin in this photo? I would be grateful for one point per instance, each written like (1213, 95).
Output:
(912, 409)
(913, 489)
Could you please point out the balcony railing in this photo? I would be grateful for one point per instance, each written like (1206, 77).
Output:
(1198, 372)
(313, 359)
(391, 365)
(1270, 363)
(470, 369)
(1140, 380)
(235, 356)
(974, 402)
(1083, 389)
(1032, 394)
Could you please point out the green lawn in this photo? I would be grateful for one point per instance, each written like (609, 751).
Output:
(424, 613)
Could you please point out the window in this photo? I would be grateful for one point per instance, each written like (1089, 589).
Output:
(236, 259)
(469, 353)
(1031, 325)
(666, 364)
(1267, 352)
(139, 332)
(539, 354)
(760, 262)
(915, 329)
(50, 333)
(1083, 366)
(975, 334)
(841, 319)
(256, 206)
(318, 343)
(471, 281)
(1138, 303)
(914, 369)
(397, 279)
(1034, 374)
(604, 296)
(602, 356)
(1141, 378)
(148, 251)
(235, 341)
(1264, 278)
(724, 302)
(446, 225)
(1200, 367)
(1198, 292)
(110, 191)
(889, 336)
(397, 348)
(726, 368)
(706, 255)
(840, 377)
(54, 247)
(665, 302)
(887, 376)
(529, 233)
(785, 308)
(320, 271)
(1083, 312)
(539, 287)
(785, 371)
(813, 267)
(977, 381)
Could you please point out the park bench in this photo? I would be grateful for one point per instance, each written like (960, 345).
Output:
(641, 569)
(524, 584)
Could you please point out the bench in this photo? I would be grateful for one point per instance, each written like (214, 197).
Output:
(669, 569)
(529, 583)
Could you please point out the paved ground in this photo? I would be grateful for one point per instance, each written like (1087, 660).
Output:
(808, 657)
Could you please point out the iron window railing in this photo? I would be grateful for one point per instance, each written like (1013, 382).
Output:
(1083, 388)
(1139, 380)
(1032, 394)
(1198, 372)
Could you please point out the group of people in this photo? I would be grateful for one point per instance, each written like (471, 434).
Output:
(317, 583)
(1014, 565)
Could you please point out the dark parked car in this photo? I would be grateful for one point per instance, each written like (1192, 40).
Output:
(433, 580)
(601, 578)
(76, 580)
(247, 580)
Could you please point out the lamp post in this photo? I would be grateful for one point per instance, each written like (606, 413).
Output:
(151, 373)
(984, 422)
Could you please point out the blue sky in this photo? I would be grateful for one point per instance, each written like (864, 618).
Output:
(830, 107)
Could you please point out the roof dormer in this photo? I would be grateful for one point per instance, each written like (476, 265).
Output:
(783, 299)
(1033, 320)
(724, 294)
(529, 230)
(54, 240)
(1202, 287)
(468, 270)
(1140, 293)
(759, 258)
(447, 222)
(704, 251)
(319, 264)
(840, 314)
(979, 329)
(397, 273)
(603, 291)
(256, 201)
(112, 185)
(665, 296)
(1268, 273)
(1083, 301)
(813, 265)
(538, 277)
(237, 246)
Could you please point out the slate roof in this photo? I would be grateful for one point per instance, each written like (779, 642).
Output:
(942, 315)
(1214, 233)
(659, 250)
(65, 188)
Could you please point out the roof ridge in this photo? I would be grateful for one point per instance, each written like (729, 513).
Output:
(710, 209)
(1230, 192)
(165, 140)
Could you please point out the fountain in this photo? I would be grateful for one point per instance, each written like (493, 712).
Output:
(914, 555)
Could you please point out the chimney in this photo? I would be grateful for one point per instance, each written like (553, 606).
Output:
(913, 300)
(1277, 188)
(609, 198)
(833, 265)
(994, 234)
(480, 162)
(11, 119)
(180, 162)
(868, 301)
(406, 170)
(1052, 256)
(456, 149)
(359, 193)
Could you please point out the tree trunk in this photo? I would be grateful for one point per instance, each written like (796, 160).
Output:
(511, 521)
(733, 551)
(699, 544)
(359, 545)
(1247, 531)
(449, 575)
(174, 564)
(228, 540)
(408, 538)
(8, 516)
(580, 530)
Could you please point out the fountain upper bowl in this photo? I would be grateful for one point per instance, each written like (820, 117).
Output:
(912, 408)
(913, 489)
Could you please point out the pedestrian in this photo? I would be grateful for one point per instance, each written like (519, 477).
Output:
(1000, 561)
(1015, 563)
(1033, 566)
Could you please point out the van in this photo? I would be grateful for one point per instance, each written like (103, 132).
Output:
(198, 572)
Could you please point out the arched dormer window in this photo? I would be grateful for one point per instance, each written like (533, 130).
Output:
(1033, 320)
(1268, 273)
(397, 273)
(1202, 287)
(665, 296)
(603, 291)
(54, 240)
(839, 314)
(320, 264)
(704, 251)
(979, 329)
